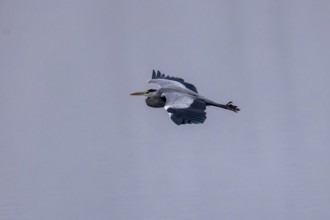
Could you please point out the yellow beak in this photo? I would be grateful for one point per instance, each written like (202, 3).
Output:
(138, 93)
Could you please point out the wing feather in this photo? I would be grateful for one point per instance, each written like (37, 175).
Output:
(163, 80)
(185, 109)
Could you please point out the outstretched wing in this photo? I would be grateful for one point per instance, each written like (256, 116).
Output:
(170, 80)
(184, 109)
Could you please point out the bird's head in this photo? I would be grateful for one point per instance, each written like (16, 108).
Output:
(147, 93)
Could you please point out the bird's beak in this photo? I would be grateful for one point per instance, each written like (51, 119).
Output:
(138, 93)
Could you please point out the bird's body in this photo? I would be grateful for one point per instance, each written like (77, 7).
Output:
(180, 99)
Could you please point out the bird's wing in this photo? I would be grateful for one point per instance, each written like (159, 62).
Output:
(167, 81)
(184, 108)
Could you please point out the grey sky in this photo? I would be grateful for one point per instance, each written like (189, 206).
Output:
(75, 145)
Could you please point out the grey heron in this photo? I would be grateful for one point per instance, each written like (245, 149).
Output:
(180, 99)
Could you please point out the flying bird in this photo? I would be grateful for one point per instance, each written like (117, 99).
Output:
(180, 99)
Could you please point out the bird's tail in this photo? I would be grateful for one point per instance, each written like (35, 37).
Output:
(228, 106)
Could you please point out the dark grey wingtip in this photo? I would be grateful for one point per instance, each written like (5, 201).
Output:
(160, 75)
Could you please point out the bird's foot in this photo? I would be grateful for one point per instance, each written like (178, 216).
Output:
(232, 107)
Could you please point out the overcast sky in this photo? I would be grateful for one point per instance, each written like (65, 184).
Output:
(75, 145)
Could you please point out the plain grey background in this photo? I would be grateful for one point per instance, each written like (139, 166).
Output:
(75, 145)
